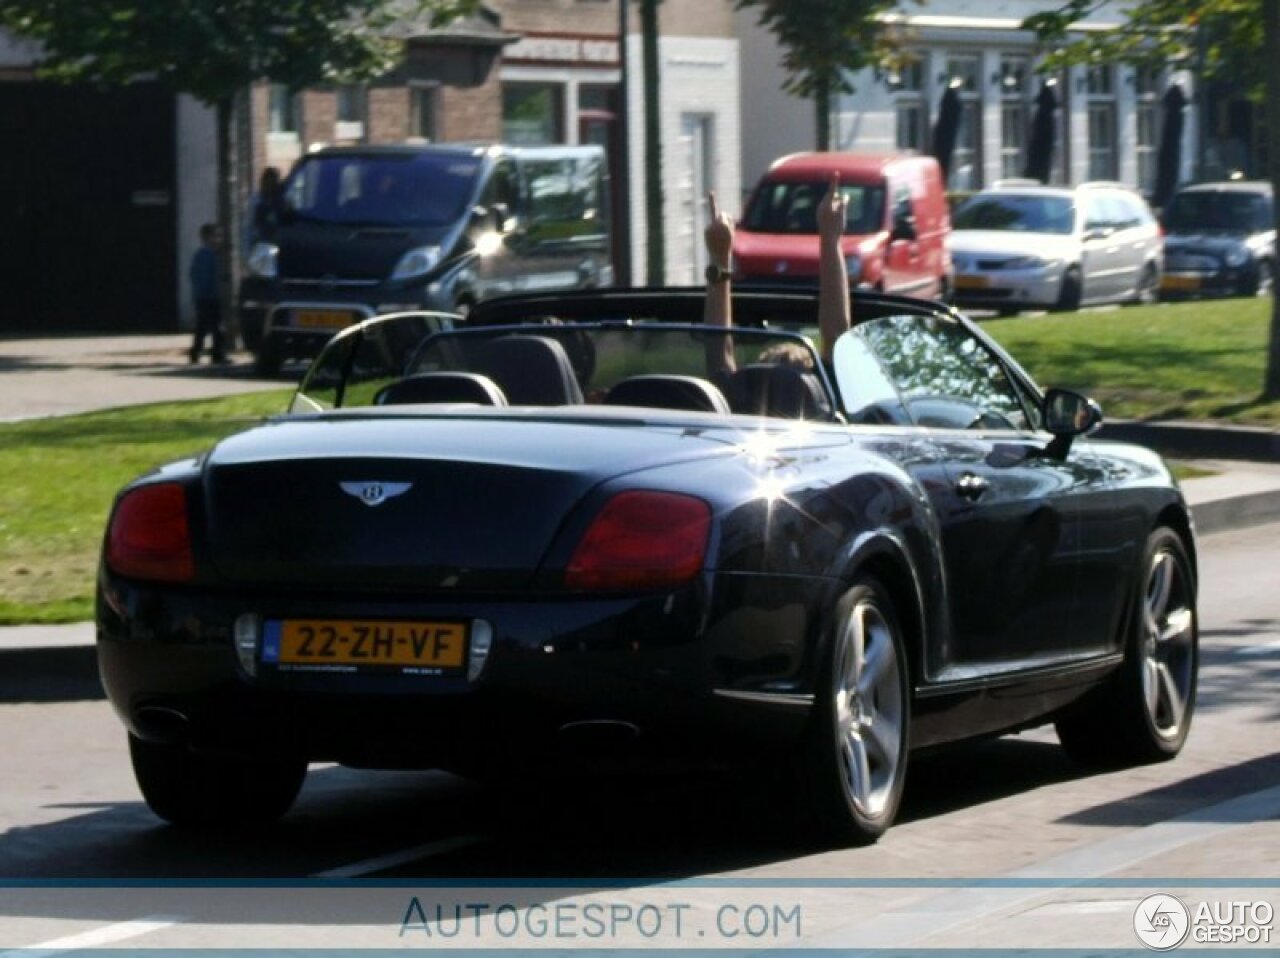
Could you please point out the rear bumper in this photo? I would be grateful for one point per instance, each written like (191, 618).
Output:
(673, 674)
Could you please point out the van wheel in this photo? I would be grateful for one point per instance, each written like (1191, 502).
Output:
(268, 359)
(1072, 292)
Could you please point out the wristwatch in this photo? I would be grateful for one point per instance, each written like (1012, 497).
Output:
(717, 274)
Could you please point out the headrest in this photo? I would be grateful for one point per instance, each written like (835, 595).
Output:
(668, 392)
(441, 388)
(531, 371)
(784, 391)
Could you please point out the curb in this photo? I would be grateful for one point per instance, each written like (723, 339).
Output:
(1193, 440)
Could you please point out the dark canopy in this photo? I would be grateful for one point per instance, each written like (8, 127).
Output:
(1169, 157)
(946, 129)
(1043, 132)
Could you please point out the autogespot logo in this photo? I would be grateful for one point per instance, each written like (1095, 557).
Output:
(1161, 922)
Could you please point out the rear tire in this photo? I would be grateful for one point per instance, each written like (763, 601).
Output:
(1264, 282)
(268, 359)
(1072, 291)
(1143, 712)
(855, 759)
(201, 791)
(1148, 290)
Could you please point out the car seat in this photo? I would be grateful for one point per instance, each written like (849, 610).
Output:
(668, 392)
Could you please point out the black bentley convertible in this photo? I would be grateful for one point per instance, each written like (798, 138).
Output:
(588, 528)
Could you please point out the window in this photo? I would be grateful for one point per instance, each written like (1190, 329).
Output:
(946, 377)
(565, 199)
(533, 113)
(966, 160)
(423, 112)
(1014, 72)
(912, 117)
(283, 112)
(1146, 83)
(353, 110)
(1100, 91)
(1102, 141)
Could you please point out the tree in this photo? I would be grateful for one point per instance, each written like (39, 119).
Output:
(656, 259)
(1237, 38)
(823, 42)
(214, 49)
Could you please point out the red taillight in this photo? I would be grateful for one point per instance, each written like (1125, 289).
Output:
(149, 537)
(642, 540)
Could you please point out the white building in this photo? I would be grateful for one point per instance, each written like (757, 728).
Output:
(1109, 118)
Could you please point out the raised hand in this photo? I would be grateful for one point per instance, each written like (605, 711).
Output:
(831, 211)
(718, 234)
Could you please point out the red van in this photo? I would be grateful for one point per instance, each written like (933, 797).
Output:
(896, 231)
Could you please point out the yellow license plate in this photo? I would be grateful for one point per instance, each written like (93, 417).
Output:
(972, 282)
(1179, 282)
(322, 318)
(346, 644)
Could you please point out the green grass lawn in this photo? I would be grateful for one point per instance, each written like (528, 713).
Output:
(62, 475)
(1198, 360)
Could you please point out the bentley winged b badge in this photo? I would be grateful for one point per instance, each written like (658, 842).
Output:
(375, 493)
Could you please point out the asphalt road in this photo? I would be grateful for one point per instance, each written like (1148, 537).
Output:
(999, 843)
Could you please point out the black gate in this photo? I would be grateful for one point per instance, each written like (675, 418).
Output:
(88, 209)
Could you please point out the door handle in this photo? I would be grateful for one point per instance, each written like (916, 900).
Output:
(971, 487)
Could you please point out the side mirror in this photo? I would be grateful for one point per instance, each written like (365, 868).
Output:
(1068, 414)
(904, 228)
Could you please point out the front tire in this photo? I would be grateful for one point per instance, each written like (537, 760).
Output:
(1071, 293)
(201, 791)
(1143, 713)
(855, 762)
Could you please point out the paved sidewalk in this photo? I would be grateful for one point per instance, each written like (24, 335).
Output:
(56, 377)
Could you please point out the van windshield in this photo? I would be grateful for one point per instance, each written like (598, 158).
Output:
(382, 190)
(793, 208)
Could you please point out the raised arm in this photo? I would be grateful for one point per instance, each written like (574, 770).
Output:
(717, 308)
(834, 311)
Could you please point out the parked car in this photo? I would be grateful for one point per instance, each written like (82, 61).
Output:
(1020, 245)
(896, 232)
(606, 533)
(368, 230)
(1220, 240)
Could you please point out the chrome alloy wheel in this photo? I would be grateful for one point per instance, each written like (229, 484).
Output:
(1168, 650)
(869, 708)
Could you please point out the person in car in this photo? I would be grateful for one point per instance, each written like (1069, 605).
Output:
(834, 311)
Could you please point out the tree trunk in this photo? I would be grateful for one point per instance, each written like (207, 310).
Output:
(1271, 34)
(229, 252)
(657, 253)
(822, 114)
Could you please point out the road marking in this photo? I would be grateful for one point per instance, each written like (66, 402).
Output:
(1267, 648)
(108, 934)
(402, 857)
(935, 914)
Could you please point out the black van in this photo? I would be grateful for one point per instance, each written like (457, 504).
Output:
(381, 229)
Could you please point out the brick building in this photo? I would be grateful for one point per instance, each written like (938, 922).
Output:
(119, 182)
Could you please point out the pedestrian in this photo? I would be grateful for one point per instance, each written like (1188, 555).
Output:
(205, 292)
(264, 209)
